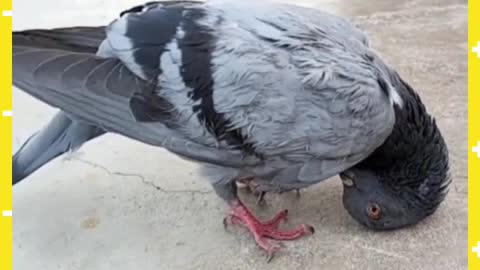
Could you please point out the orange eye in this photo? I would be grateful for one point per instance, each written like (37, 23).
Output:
(374, 211)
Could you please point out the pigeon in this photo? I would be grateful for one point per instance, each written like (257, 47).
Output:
(288, 96)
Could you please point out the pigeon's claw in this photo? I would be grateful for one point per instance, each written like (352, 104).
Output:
(240, 215)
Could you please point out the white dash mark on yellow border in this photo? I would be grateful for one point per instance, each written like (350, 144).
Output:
(477, 250)
(7, 113)
(7, 13)
(477, 49)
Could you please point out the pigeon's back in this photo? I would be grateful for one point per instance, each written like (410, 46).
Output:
(236, 84)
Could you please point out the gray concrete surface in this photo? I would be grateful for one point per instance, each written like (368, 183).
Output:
(118, 204)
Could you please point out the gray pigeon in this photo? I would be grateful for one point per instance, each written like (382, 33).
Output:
(286, 95)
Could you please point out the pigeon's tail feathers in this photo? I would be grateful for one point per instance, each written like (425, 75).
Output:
(73, 39)
(61, 135)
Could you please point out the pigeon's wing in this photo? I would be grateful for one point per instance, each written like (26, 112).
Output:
(304, 87)
(114, 89)
(294, 85)
(75, 39)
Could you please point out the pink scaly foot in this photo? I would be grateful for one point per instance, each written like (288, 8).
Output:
(240, 215)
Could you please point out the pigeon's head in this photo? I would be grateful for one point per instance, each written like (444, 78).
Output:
(404, 180)
(379, 206)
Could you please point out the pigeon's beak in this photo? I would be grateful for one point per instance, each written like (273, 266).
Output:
(347, 179)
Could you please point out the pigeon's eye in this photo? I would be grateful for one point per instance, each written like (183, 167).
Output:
(374, 211)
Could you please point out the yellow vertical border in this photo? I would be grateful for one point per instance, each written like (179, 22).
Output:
(474, 135)
(473, 131)
(6, 134)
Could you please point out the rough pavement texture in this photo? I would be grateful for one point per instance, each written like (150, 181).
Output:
(118, 204)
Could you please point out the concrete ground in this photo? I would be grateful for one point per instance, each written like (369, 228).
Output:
(119, 204)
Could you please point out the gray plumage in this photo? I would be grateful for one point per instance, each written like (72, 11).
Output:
(288, 95)
(61, 135)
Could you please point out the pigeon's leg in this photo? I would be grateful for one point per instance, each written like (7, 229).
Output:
(261, 230)
(261, 198)
(248, 183)
(252, 186)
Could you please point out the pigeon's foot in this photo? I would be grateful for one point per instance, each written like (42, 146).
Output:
(261, 230)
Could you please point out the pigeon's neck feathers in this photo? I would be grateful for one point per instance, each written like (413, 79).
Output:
(414, 157)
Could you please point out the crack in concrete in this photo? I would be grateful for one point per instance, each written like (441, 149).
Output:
(142, 178)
